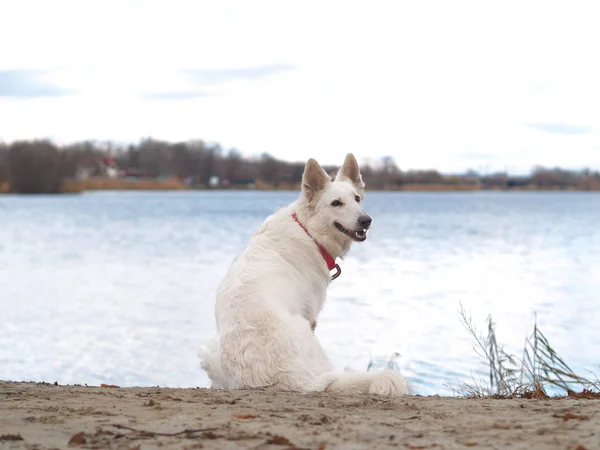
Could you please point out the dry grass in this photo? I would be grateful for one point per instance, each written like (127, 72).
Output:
(527, 187)
(528, 377)
(95, 184)
(283, 186)
(107, 184)
(440, 187)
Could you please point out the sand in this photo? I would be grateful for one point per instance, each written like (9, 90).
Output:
(45, 416)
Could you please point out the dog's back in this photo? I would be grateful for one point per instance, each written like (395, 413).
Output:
(263, 309)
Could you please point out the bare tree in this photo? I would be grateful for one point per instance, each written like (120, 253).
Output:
(34, 168)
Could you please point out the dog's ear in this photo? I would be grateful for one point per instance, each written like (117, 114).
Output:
(350, 171)
(314, 179)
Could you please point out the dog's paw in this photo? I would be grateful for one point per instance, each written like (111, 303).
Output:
(389, 383)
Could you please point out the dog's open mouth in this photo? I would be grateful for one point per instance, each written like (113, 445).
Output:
(358, 236)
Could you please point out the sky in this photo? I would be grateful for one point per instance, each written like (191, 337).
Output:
(447, 85)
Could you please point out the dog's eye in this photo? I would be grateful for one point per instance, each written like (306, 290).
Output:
(336, 203)
(357, 198)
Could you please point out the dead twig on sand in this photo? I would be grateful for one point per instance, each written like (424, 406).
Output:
(146, 433)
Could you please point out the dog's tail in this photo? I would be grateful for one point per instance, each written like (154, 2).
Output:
(386, 383)
(210, 361)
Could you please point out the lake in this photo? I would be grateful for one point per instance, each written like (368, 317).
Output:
(119, 287)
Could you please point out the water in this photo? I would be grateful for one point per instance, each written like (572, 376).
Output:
(119, 287)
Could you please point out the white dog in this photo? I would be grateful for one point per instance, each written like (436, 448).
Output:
(268, 303)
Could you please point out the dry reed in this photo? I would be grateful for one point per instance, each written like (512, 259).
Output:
(528, 377)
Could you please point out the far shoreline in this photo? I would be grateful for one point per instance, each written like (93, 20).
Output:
(119, 185)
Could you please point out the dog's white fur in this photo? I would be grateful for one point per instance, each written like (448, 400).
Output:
(275, 289)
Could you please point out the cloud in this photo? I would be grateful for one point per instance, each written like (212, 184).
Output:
(209, 79)
(216, 76)
(560, 128)
(28, 84)
(176, 95)
(477, 156)
(539, 87)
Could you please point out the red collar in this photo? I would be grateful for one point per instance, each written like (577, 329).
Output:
(326, 255)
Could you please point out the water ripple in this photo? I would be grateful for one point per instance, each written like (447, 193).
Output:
(119, 287)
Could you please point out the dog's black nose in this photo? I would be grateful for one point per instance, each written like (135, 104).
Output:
(365, 221)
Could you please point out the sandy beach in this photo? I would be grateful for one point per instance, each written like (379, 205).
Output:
(46, 416)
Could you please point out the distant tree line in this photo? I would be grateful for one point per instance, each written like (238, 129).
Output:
(40, 166)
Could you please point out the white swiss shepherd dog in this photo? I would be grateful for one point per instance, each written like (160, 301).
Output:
(268, 303)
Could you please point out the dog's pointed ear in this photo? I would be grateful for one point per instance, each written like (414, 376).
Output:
(350, 171)
(314, 179)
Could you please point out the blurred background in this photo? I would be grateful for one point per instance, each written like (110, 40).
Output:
(152, 139)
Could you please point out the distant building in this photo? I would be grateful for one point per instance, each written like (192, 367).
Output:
(109, 168)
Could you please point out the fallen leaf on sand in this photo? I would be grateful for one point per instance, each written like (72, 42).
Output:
(77, 439)
(279, 440)
(568, 416)
(111, 386)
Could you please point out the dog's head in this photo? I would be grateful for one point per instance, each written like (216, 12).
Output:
(335, 206)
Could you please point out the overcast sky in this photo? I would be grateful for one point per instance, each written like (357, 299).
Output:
(450, 85)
